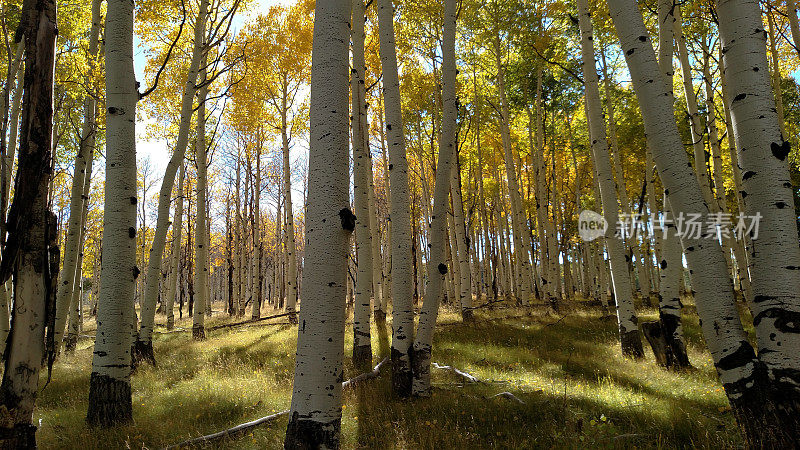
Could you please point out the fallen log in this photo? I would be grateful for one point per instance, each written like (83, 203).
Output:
(248, 321)
(250, 425)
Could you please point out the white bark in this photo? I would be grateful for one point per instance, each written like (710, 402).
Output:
(291, 248)
(462, 248)
(316, 410)
(175, 254)
(626, 315)
(767, 190)
(713, 290)
(695, 124)
(201, 231)
(400, 215)
(165, 195)
(437, 263)
(81, 179)
(521, 251)
(109, 391)
(362, 163)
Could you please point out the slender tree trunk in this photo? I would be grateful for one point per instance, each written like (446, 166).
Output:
(400, 218)
(362, 164)
(522, 261)
(81, 180)
(109, 387)
(626, 315)
(152, 278)
(437, 263)
(174, 258)
(316, 411)
(695, 123)
(767, 192)
(461, 232)
(201, 231)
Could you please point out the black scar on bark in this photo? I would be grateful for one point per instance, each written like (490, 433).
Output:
(143, 352)
(109, 401)
(303, 433)
(747, 175)
(631, 343)
(348, 219)
(401, 374)
(442, 268)
(743, 355)
(739, 97)
(782, 150)
(785, 321)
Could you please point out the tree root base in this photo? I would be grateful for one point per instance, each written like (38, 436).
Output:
(109, 401)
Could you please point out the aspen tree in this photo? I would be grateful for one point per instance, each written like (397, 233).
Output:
(201, 230)
(362, 162)
(174, 258)
(30, 253)
(109, 387)
(144, 341)
(521, 260)
(437, 263)
(630, 339)
(400, 217)
(695, 124)
(733, 356)
(81, 180)
(316, 411)
(460, 227)
(767, 191)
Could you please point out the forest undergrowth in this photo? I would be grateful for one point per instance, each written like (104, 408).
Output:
(569, 384)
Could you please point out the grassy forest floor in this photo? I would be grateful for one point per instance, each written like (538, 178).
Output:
(577, 389)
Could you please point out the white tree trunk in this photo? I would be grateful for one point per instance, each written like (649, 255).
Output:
(174, 259)
(630, 339)
(767, 191)
(400, 215)
(437, 262)
(316, 411)
(81, 179)
(462, 248)
(291, 248)
(722, 328)
(362, 163)
(521, 251)
(695, 124)
(201, 231)
(148, 306)
(109, 388)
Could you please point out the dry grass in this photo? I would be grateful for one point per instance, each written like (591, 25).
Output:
(578, 391)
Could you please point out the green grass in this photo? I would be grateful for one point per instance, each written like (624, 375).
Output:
(578, 391)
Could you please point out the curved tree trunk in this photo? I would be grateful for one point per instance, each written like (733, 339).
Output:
(316, 411)
(400, 214)
(733, 356)
(109, 387)
(153, 277)
(437, 263)
(175, 254)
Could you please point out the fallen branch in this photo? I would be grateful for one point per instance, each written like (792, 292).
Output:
(509, 396)
(376, 371)
(485, 305)
(249, 321)
(461, 373)
(365, 376)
